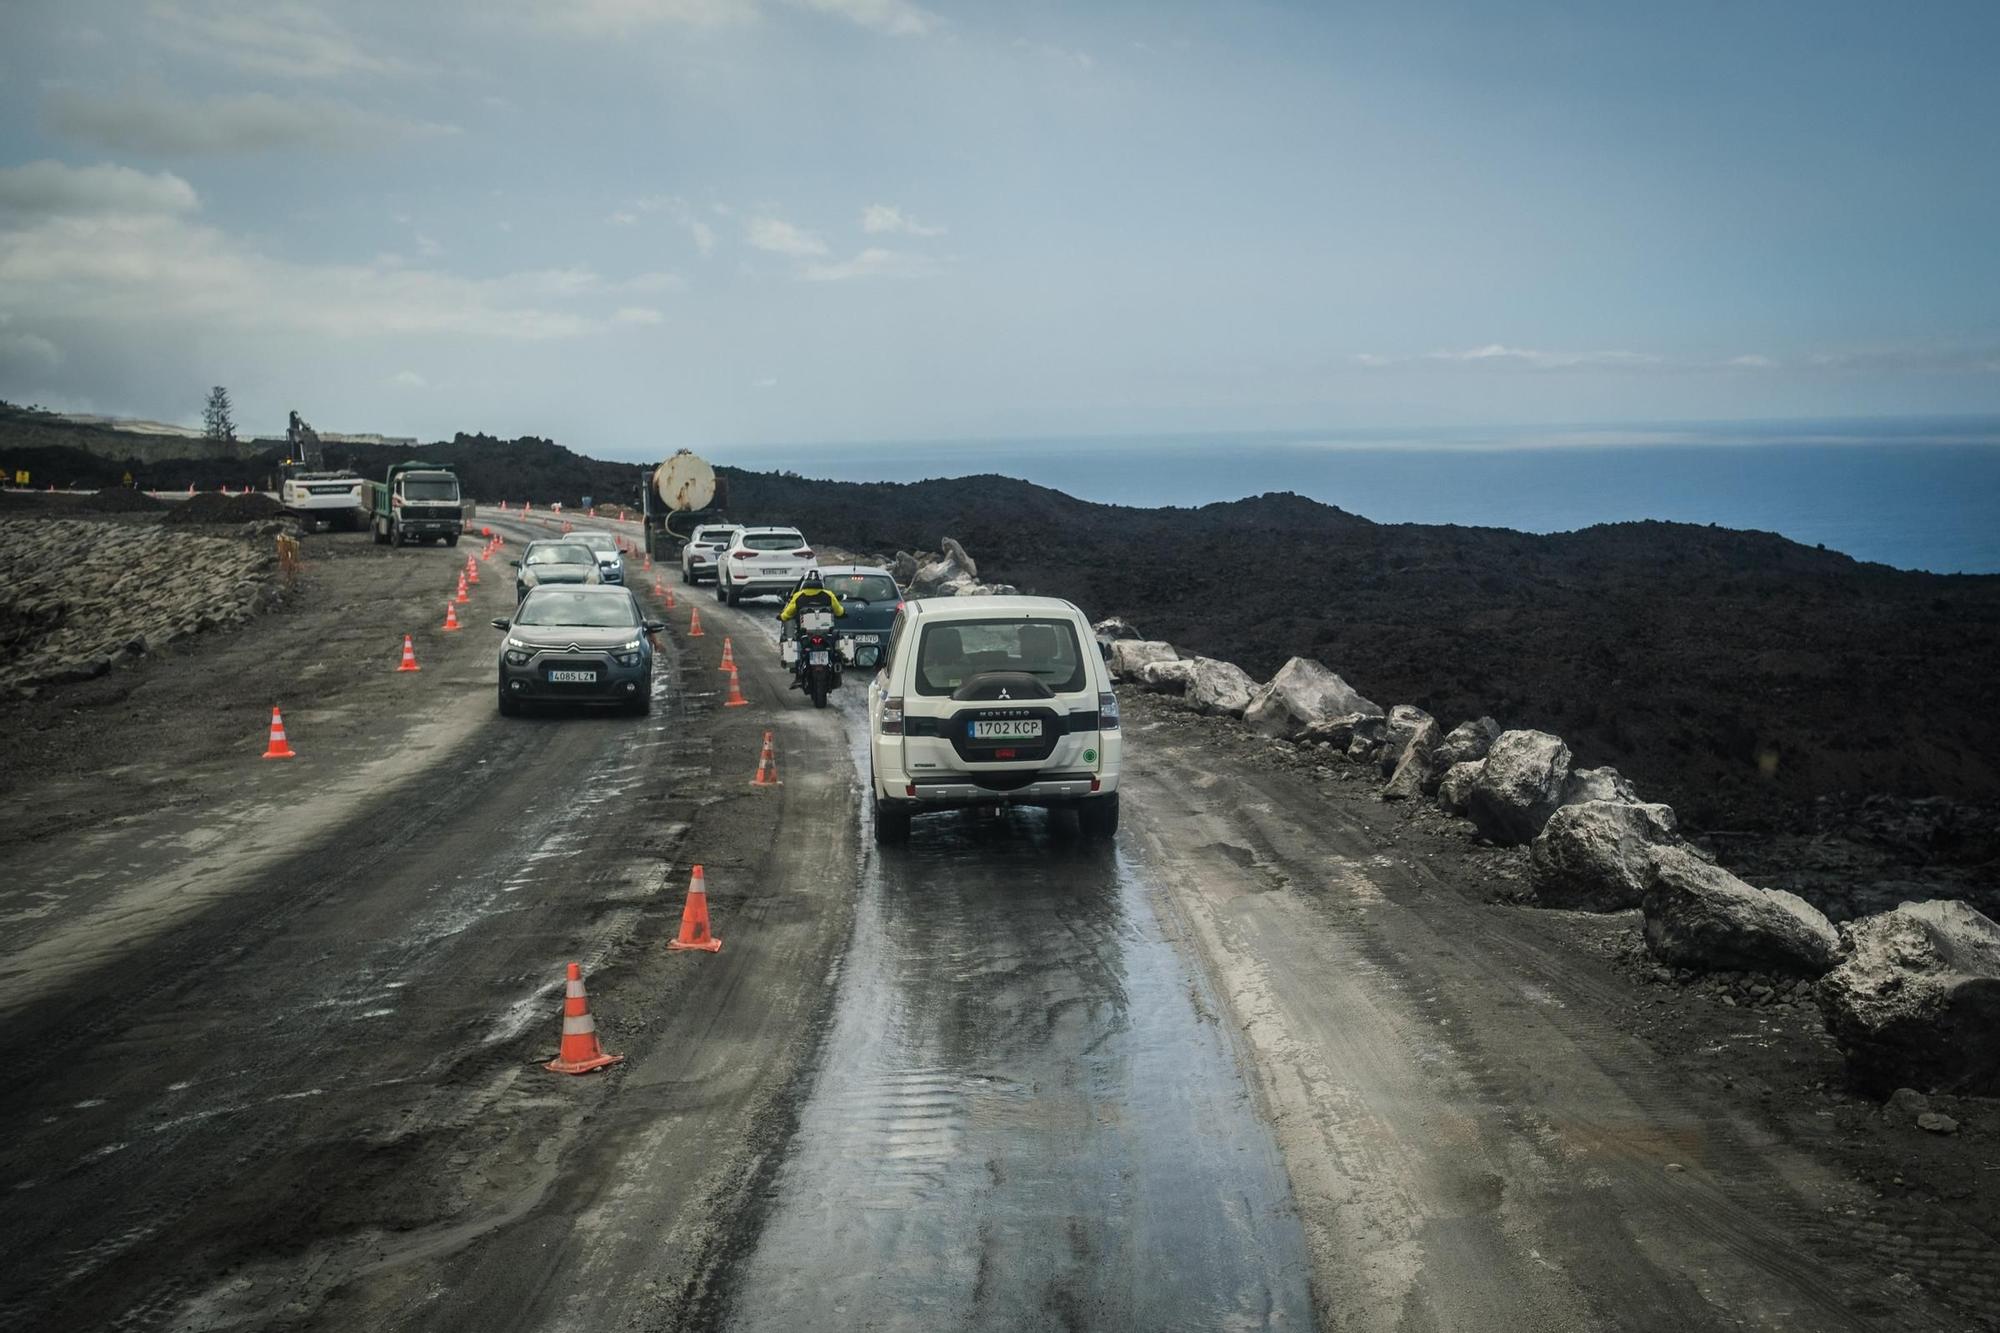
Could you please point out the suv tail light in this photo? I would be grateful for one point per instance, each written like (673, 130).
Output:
(741, 555)
(804, 554)
(892, 716)
(1107, 711)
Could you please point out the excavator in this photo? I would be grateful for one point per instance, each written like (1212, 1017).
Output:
(312, 494)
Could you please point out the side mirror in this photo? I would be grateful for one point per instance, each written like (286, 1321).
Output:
(515, 563)
(503, 623)
(655, 626)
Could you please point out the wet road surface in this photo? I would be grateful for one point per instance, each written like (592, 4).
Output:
(1027, 1114)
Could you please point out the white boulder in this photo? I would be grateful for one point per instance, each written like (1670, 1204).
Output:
(1221, 688)
(1700, 916)
(1167, 677)
(1598, 784)
(1917, 1000)
(1598, 855)
(1454, 791)
(1520, 785)
(1468, 741)
(1416, 770)
(1130, 656)
(1302, 693)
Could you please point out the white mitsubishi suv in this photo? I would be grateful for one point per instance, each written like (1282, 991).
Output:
(988, 701)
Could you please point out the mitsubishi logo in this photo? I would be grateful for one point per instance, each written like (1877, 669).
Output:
(1003, 693)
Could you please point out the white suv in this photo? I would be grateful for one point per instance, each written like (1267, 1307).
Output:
(704, 549)
(987, 701)
(760, 561)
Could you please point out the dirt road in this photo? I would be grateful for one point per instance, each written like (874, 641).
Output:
(275, 1032)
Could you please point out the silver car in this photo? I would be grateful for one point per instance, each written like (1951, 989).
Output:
(562, 561)
(610, 562)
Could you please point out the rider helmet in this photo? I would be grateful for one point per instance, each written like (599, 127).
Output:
(813, 579)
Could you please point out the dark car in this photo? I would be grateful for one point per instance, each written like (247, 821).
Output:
(554, 562)
(589, 645)
(871, 599)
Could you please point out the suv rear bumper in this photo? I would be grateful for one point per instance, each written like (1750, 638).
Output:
(961, 792)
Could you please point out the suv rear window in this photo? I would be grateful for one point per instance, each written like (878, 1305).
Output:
(773, 541)
(954, 652)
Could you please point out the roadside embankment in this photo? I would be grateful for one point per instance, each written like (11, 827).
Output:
(79, 597)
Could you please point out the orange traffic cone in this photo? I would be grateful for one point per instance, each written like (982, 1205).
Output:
(409, 656)
(471, 570)
(462, 597)
(649, 560)
(279, 748)
(580, 1052)
(735, 699)
(728, 654)
(767, 767)
(450, 617)
(671, 603)
(694, 624)
(694, 919)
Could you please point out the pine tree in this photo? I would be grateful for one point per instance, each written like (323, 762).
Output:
(216, 421)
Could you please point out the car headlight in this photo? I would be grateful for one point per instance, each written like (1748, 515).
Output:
(518, 656)
(627, 654)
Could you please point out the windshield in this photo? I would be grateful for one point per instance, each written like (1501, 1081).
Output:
(956, 651)
(441, 489)
(862, 587)
(601, 542)
(560, 555)
(773, 541)
(713, 536)
(595, 608)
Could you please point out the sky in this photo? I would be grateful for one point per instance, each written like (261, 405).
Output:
(637, 225)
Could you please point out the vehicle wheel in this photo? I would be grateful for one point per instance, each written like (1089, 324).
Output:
(731, 596)
(642, 705)
(395, 535)
(509, 706)
(892, 827)
(375, 531)
(686, 577)
(819, 690)
(1098, 818)
(721, 590)
(451, 540)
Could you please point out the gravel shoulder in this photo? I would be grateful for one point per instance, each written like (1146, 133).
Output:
(1505, 1117)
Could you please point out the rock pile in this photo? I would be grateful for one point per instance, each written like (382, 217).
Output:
(212, 507)
(1911, 996)
(947, 573)
(77, 597)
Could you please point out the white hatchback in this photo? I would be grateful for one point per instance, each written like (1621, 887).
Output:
(989, 701)
(761, 561)
(704, 549)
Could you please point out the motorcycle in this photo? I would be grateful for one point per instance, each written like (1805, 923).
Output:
(815, 656)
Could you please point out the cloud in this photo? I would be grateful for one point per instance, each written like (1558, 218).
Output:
(408, 379)
(621, 218)
(897, 18)
(428, 247)
(654, 282)
(164, 126)
(1499, 354)
(27, 356)
(133, 271)
(872, 263)
(611, 18)
(1752, 361)
(886, 219)
(284, 38)
(55, 188)
(782, 238)
(676, 208)
(637, 314)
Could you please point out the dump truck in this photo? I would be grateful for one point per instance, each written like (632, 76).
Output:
(415, 502)
(679, 495)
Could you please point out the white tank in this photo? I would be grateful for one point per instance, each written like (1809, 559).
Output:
(684, 482)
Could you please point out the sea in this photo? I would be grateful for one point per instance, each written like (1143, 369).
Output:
(1919, 493)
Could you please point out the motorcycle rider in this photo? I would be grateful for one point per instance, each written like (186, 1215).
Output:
(811, 593)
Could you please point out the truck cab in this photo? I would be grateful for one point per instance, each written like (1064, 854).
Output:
(417, 502)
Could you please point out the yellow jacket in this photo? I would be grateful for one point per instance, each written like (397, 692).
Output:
(808, 596)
